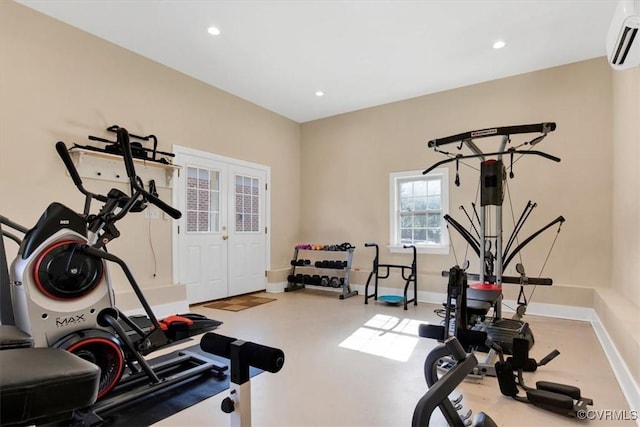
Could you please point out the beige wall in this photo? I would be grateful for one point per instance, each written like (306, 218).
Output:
(626, 184)
(619, 308)
(59, 83)
(346, 161)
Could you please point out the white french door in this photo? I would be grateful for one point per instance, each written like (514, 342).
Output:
(220, 245)
(247, 230)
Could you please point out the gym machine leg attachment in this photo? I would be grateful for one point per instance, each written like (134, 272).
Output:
(559, 398)
(242, 355)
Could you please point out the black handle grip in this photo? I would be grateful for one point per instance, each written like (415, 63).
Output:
(125, 145)
(367, 245)
(268, 359)
(61, 148)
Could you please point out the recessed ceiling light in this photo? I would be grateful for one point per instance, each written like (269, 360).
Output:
(499, 44)
(213, 31)
(319, 93)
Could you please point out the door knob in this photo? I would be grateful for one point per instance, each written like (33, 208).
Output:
(225, 237)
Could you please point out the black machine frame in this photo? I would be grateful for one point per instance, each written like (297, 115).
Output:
(493, 176)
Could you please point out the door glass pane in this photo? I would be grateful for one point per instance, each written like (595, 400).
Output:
(203, 200)
(203, 178)
(247, 210)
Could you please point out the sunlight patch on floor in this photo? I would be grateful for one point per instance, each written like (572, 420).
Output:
(385, 336)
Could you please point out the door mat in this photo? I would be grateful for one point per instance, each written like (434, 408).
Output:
(239, 303)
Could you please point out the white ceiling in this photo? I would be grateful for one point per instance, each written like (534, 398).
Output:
(277, 54)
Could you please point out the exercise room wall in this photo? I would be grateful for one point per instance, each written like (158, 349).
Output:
(60, 83)
(346, 161)
(618, 308)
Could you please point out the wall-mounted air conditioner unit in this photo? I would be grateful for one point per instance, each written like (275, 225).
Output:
(623, 40)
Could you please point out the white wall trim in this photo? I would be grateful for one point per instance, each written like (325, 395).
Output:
(630, 388)
(276, 288)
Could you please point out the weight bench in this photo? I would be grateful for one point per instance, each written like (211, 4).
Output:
(41, 385)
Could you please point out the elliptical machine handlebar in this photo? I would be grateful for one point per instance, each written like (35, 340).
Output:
(123, 140)
(63, 152)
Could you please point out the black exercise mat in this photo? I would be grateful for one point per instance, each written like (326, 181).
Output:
(163, 404)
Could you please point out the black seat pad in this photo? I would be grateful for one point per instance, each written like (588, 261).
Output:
(44, 384)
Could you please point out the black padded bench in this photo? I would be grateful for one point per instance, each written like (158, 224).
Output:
(41, 385)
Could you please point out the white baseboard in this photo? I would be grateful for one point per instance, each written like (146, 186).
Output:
(536, 309)
(568, 312)
(276, 288)
(629, 386)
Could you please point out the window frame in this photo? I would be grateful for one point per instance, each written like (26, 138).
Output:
(395, 244)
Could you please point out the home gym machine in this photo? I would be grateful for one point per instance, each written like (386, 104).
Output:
(409, 275)
(437, 396)
(467, 317)
(243, 355)
(61, 295)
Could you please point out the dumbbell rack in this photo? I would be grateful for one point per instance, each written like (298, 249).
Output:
(337, 277)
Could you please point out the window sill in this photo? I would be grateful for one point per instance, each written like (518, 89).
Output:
(429, 250)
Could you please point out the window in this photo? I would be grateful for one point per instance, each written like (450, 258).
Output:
(247, 204)
(203, 200)
(418, 204)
